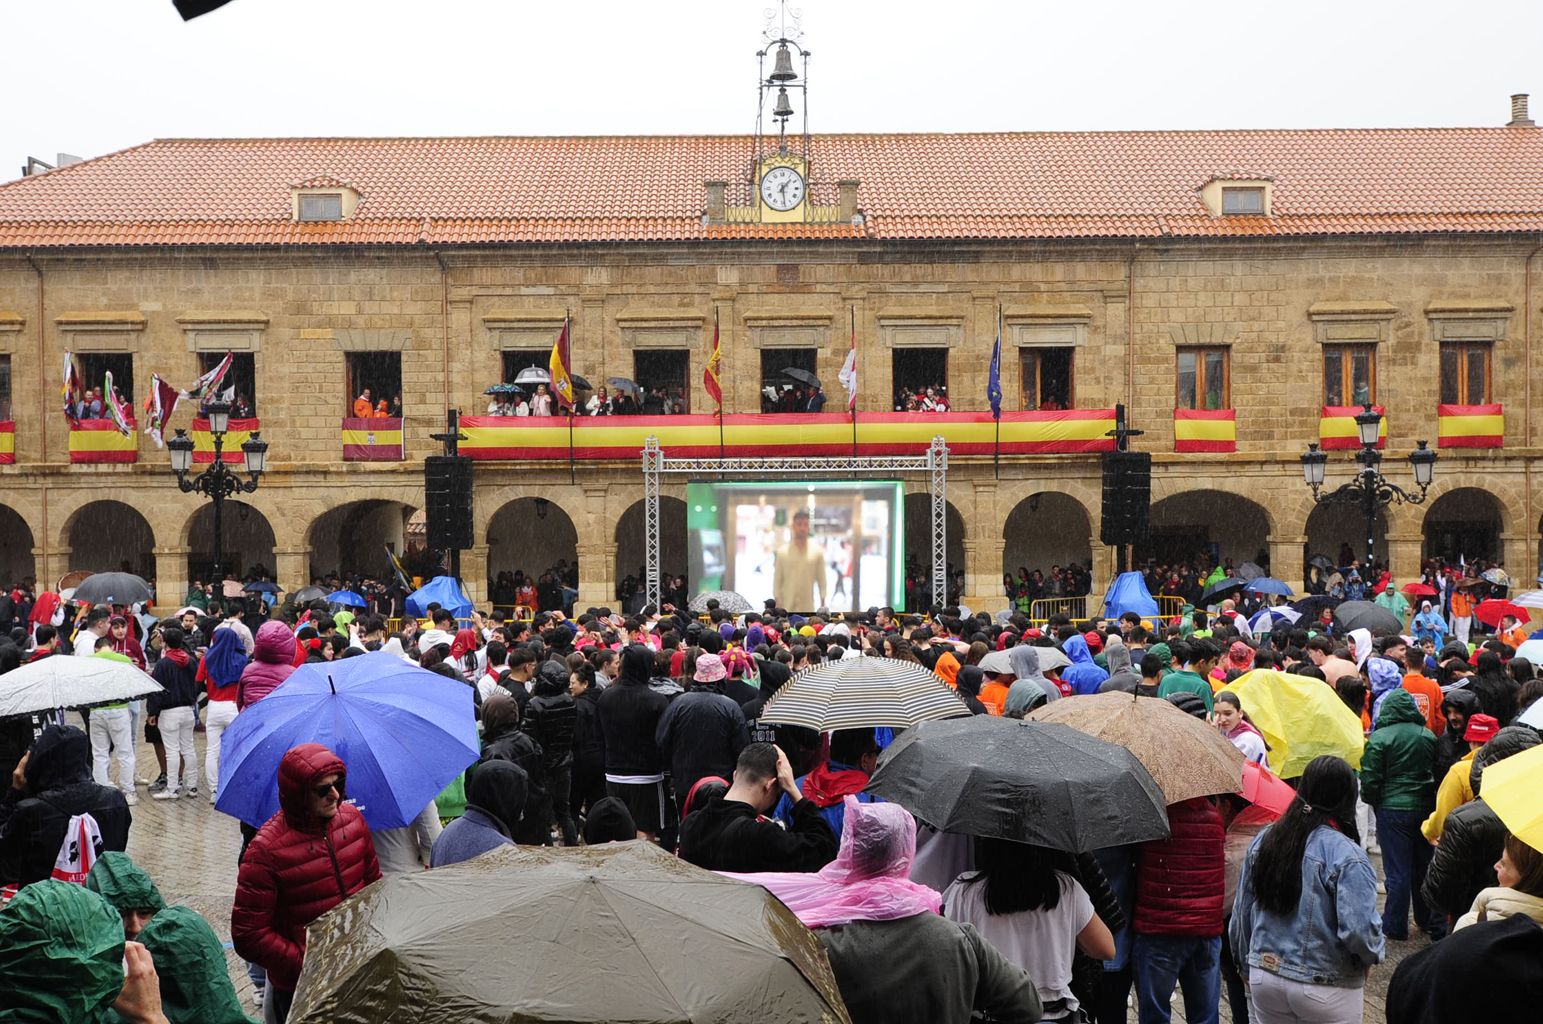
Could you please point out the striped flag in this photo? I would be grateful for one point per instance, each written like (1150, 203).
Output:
(710, 376)
(117, 409)
(159, 405)
(209, 383)
(561, 366)
(71, 387)
(398, 568)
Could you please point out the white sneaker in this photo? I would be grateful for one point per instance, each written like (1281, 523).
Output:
(191, 791)
(130, 799)
(257, 997)
(165, 794)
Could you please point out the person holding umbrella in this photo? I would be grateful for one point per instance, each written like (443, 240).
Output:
(288, 870)
(1304, 922)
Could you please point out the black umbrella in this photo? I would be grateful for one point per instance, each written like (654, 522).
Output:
(579, 383)
(802, 376)
(1323, 562)
(112, 588)
(1367, 615)
(307, 594)
(505, 389)
(1314, 604)
(263, 587)
(1222, 589)
(1031, 782)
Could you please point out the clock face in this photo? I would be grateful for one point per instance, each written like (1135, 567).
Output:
(782, 188)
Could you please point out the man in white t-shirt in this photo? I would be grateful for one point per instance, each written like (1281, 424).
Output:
(92, 630)
(487, 684)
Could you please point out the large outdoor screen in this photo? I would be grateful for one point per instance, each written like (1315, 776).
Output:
(808, 544)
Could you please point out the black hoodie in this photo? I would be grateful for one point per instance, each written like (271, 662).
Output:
(801, 745)
(1450, 745)
(33, 825)
(550, 718)
(727, 835)
(629, 716)
(1486, 972)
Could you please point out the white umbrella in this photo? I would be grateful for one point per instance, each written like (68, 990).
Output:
(1529, 599)
(1531, 650)
(857, 693)
(1000, 663)
(66, 681)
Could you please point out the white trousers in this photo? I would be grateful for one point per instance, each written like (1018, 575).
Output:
(176, 726)
(1461, 627)
(220, 714)
(1276, 1000)
(112, 728)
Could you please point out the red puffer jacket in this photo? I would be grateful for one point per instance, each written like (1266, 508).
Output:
(1180, 880)
(297, 868)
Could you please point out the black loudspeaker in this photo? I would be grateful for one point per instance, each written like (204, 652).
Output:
(447, 501)
(1127, 497)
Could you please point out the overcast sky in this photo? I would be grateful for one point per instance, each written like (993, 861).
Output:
(92, 76)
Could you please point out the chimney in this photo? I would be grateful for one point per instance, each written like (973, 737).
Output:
(846, 192)
(1519, 118)
(715, 204)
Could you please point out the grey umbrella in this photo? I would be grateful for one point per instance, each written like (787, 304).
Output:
(112, 588)
(64, 682)
(728, 600)
(1367, 615)
(1249, 571)
(1031, 782)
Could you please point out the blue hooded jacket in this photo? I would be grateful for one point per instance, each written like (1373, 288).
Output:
(1385, 678)
(1081, 675)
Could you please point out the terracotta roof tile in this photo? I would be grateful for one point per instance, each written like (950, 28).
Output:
(503, 190)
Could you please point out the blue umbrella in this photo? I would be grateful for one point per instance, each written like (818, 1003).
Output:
(404, 733)
(347, 597)
(1268, 585)
(263, 587)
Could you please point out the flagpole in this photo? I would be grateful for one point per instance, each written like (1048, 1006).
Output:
(573, 476)
(717, 348)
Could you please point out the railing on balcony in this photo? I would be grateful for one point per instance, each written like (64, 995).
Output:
(749, 435)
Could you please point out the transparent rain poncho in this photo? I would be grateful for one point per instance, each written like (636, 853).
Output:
(868, 879)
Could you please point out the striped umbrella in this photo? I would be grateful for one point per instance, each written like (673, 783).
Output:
(857, 693)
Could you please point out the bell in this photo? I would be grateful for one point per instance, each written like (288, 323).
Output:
(784, 107)
(783, 70)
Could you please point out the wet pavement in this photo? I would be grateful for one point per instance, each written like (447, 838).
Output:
(190, 850)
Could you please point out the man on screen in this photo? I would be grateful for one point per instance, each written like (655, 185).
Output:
(799, 581)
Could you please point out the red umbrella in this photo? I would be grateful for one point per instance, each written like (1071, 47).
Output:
(1419, 590)
(1492, 611)
(1266, 790)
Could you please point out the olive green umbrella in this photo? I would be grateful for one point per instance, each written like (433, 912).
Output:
(621, 933)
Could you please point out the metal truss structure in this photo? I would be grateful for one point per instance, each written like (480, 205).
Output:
(934, 463)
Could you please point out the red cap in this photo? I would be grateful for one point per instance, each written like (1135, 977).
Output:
(1095, 641)
(1481, 728)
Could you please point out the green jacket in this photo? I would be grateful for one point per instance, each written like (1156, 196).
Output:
(124, 884)
(1184, 679)
(195, 982)
(1396, 767)
(61, 955)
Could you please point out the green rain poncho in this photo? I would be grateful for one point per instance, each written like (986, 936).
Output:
(61, 955)
(195, 982)
(124, 884)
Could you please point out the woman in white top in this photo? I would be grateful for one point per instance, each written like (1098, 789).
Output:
(1023, 900)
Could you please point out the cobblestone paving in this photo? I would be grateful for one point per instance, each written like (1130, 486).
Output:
(190, 850)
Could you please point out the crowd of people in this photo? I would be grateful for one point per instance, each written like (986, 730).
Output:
(602, 401)
(932, 398)
(1022, 590)
(647, 725)
(554, 589)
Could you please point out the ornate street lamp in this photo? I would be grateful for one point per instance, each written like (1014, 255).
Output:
(1370, 490)
(219, 481)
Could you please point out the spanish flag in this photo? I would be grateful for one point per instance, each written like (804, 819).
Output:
(562, 370)
(7, 443)
(1337, 430)
(1470, 426)
(1205, 430)
(710, 378)
(238, 432)
(100, 441)
(376, 439)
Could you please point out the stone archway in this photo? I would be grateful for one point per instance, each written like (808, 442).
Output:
(1205, 526)
(247, 540)
(353, 537)
(531, 536)
(631, 552)
(107, 536)
(1045, 530)
(1466, 522)
(1331, 528)
(918, 548)
(16, 558)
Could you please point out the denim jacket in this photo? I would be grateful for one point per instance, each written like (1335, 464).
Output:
(1336, 932)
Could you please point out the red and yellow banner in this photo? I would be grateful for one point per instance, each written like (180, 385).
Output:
(7, 442)
(1337, 431)
(1470, 426)
(376, 439)
(792, 434)
(100, 441)
(1205, 430)
(236, 434)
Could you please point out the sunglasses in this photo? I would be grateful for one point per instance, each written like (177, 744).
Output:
(329, 787)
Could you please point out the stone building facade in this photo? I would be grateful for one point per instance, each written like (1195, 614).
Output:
(1369, 253)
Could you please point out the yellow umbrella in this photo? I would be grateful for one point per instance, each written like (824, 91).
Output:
(1301, 718)
(1513, 788)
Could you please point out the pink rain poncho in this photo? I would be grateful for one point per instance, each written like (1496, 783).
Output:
(868, 879)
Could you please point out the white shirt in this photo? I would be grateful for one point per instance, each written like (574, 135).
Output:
(1039, 941)
(1250, 744)
(430, 637)
(241, 631)
(85, 643)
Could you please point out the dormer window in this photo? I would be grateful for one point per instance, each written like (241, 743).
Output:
(1243, 200)
(320, 206)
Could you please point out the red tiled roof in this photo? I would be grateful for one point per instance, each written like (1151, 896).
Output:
(501, 190)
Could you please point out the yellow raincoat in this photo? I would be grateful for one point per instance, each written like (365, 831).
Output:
(1301, 718)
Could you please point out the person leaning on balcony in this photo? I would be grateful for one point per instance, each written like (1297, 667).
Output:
(364, 406)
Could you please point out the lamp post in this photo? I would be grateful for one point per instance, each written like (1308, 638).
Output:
(1370, 490)
(219, 481)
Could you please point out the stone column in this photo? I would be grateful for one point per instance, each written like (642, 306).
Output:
(474, 573)
(293, 566)
(171, 578)
(1516, 555)
(597, 550)
(983, 573)
(1404, 556)
(52, 563)
(1287, 558)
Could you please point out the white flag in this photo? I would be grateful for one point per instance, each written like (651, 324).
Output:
(848, 375)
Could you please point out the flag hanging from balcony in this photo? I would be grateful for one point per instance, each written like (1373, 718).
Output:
(7, 443)
(1205, 430)
(1337, 429)
(848, 374)
(159, 405)
(1470, 426)
(118, 410)
(562, 370)
(710, 376)
(71, 387)
(209, 383)
(994, 377)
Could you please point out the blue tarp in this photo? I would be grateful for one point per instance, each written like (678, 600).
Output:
(443, 590)
(1128, 593)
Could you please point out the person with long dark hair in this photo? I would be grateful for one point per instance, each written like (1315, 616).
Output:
(1305, 919)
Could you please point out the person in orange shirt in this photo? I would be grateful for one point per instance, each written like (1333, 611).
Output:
(1425, 691)
(1462, 611)
(364, 408)
(1511, 632)
(380, 410)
